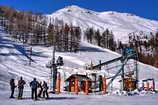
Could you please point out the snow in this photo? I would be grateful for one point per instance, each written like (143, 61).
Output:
(120, 23)
(92, 99)
(14, 61)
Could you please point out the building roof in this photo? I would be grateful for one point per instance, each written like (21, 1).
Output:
(79, 77)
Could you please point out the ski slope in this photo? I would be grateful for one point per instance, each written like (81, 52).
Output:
(120, 23)
(14, 62)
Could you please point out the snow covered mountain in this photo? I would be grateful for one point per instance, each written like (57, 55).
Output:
(14, 62)
(120, 23)
(14, 59)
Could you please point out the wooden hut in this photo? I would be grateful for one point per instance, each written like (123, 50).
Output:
(81, 82)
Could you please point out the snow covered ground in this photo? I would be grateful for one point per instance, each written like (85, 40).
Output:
(72, 99)
(14, 62)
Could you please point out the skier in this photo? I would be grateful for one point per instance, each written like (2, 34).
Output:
(40, 89)
(21, 84)
(12, 87)
(34, 85)
(45, 90)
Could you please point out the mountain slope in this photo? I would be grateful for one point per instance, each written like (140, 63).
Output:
(120, 23)
(14, 62)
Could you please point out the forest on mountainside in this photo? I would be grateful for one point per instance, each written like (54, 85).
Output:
(146, 45)
(37, 29)
(32, 28)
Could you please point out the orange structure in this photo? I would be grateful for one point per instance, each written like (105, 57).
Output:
(58, 84)
(80, 85)
(146, 85)
(86, 87)
(104, 86)
(130, 84)
(76, 86)
(149, 85)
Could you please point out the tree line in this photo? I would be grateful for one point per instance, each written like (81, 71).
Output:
(103, 39)
(65, 38)
(146, 45)
(34, 29)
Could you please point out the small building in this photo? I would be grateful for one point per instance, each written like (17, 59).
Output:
(81, 82)
(149, 84)
(129, 84)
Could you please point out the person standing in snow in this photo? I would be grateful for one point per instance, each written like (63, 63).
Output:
(40, 89)
(12, 87)
(45, 90)
(34, 85)
(21, 84)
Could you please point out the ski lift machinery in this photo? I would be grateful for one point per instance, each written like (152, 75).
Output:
(53, 64)
(129, 80)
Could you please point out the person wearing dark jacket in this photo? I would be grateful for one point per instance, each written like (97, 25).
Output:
(40, 89)
(45, 90)
(34, 85)
(12, 87)
(21, 84)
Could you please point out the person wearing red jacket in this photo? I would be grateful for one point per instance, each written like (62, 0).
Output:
(21, 84)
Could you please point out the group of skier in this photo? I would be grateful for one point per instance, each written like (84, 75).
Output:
(43, 88)
(35, 85)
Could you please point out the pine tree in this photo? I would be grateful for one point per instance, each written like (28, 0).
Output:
(98, 37)
(66, 37)
(89, 35)
(51, 34)
(77, 39)
(111, 41)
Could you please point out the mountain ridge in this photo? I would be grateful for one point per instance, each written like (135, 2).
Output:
(120, 23)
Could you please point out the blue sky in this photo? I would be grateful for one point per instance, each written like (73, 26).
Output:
(143, 8)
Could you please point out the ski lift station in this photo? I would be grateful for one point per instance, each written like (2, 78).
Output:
(95, 79)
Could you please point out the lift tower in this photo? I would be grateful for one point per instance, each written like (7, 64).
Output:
(127, 54)
(53, 64)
